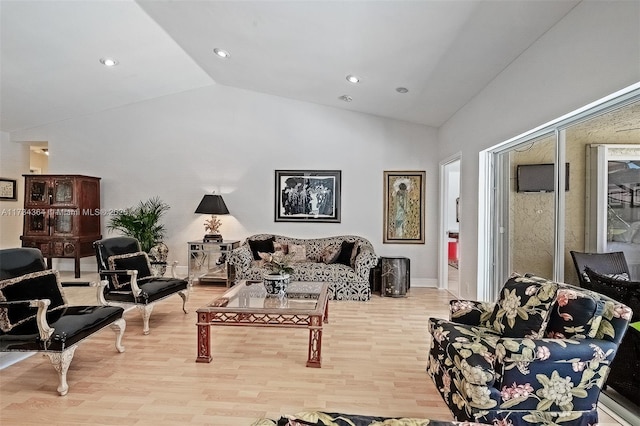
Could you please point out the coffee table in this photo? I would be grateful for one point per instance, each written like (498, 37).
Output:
(247, 304)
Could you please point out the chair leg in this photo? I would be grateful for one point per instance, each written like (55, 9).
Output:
(185, 296)
(145, 310)
(118, 327)
(61, 362)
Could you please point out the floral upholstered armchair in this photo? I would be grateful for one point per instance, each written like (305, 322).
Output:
(539, 355)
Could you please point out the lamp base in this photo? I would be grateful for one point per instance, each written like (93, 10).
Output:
(216, 238)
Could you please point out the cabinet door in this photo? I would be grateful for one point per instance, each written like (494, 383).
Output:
(36, 222)
(63, 221)
(37, 191)
(63, 192)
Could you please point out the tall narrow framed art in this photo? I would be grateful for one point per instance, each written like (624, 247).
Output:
(404, 207)
(307, 195)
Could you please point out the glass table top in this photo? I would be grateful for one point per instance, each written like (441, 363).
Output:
(251, 295)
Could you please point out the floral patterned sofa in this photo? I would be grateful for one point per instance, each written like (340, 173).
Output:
(320, 418)
(348, 275)
(539, 355)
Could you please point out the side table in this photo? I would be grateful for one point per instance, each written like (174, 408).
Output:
(208, 261)
(395, 276)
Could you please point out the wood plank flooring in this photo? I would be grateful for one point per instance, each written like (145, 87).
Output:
(373, 362)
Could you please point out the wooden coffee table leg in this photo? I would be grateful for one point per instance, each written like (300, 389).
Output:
(204, 338)
(315, 342)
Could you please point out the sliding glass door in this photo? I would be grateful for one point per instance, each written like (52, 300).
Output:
(573, 185)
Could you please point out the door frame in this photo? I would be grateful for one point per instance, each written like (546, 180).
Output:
(443, 259)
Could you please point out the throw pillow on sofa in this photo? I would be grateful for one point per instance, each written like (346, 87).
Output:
(298, 252)
(264, 246)
(523, 307)
(330, 254)
(346, 248)
(283, 247)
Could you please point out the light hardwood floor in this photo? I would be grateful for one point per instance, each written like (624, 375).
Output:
(373, 362)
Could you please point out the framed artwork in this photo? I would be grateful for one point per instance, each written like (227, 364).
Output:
(8, 189)
(307, 195)
(404, 207)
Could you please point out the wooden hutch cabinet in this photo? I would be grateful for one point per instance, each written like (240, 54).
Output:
(62, 216)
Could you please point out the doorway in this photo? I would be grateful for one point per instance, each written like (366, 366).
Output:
(449, 253)
(38, 158)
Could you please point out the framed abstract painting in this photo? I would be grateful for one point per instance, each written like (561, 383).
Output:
(307, 195)
(404, 207)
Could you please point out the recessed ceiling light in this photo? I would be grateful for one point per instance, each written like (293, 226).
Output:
(221, 52)
(108, 62)
(353, 78)
(402, 89)
(346, 98)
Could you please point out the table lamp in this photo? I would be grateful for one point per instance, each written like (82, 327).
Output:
(212, 204)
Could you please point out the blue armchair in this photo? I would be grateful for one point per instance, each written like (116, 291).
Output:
(539, 355)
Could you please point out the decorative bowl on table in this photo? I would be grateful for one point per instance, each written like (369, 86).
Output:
(274, 283)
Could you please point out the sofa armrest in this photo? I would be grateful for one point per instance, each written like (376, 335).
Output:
(241, 259)
(365, 260)
(559, 374)
(470, 312)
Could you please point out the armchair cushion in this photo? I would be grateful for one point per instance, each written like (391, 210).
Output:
(138, 261)
(36, 285)
(264, 246)
(152, 289)
(470, 312)
(576, 314)
(522, 309)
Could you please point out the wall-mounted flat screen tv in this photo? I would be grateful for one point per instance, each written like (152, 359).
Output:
(538, 178)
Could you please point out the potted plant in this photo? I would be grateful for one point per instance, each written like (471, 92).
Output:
(142, 222)
(280, 270)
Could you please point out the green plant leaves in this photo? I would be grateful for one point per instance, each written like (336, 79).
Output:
(142, 222)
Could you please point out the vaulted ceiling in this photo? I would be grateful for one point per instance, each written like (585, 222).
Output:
(442, 52)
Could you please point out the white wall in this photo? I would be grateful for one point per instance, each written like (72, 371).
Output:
(592, 52)
(14, 161)
(182, 146)
(453, 192)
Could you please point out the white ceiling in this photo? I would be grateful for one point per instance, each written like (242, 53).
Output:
(443, 51)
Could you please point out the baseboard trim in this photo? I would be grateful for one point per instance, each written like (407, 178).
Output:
(7, 359)
(424, 282)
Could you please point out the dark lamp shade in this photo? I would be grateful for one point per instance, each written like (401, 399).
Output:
(212, 204)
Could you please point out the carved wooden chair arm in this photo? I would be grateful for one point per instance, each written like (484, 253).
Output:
(100, 286)
(163, 263)
(135, 289)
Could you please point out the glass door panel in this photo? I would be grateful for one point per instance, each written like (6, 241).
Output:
(36, 222)
(63, 191)
(531, 225)
(63, 221)
(38, 192)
